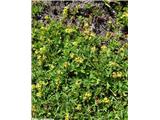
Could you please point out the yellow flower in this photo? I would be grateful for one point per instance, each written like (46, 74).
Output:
(86, 25)
(36, 52)
(105, 100)
(67, 116)
(79, 60)
(75, 43)
(43, 49)
(65, 11)
(33, 86)
(40, 62)
(33, 108)
(126, 45)
(126, 14)
(92, 34)
(109, 21)
(51, 66)
(114, 75)
(87, 95)
(117, 74)
(72, 55)
(87, 32)
(46, 17)
(103, 47)
(38, 86)
(39, 94)
(93, 49)
(78, 107)
(69, 30)
(65, 64)
(121, 49)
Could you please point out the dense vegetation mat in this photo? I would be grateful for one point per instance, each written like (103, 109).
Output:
(80, 60)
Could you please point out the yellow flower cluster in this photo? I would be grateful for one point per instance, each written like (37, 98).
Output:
(69, 30)
(103, 47)
(105, 100)
(65, 11)
(87, 95)
(79, 60)
(117, 74)
(38, 86)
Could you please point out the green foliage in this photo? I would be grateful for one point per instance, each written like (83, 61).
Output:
(37, 8)
(74, 76)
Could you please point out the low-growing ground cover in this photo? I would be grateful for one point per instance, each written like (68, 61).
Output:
(79, 60)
